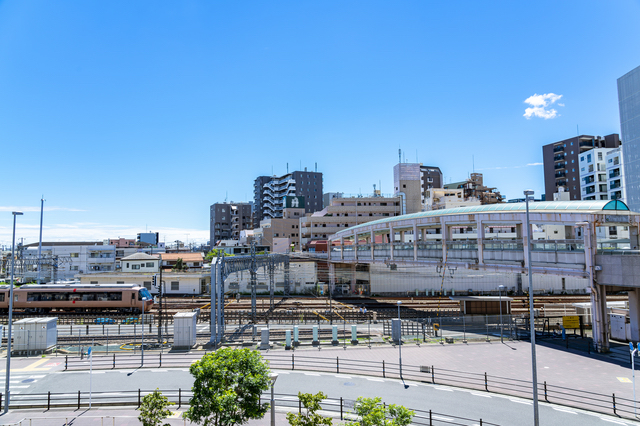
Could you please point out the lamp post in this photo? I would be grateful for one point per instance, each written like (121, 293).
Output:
(7, 396)
(500, 288)
(273, 377)
(534, 370)
(400, 339)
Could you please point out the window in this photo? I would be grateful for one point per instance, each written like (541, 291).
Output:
(73, 268)
(149, 264)
(600, 156)
(147, 285)
(119, 282)
(136, 266)
(94, 282)
(175, 285)
(582, 158)
(74, 254)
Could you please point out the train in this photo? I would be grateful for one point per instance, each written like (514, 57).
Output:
(45, 298)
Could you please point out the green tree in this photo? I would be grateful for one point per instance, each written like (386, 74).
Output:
(214, 253)
(153, 409)
(311, 403)
(227, 388)
(373, 413)
(179, 266)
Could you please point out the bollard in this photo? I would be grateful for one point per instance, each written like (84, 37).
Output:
(287, 345)
(48, 400)
(334, 335)
(486, 385)
(354, 334)
(66, 362)
(341, 417)
(337, 365)
(293, 361)
(296, 336)
(384, 375)
(179, 397)
(160, 363)
(614, 404)
(114, 360)
(430, 419)
(139, 399)
(78, 400)
(545, 391)
(315, 336)
(433, 375)
(87, 329)
(299, 406)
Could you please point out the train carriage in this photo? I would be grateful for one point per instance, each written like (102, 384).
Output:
(77, 297)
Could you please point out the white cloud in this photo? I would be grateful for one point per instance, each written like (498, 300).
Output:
(539, 106)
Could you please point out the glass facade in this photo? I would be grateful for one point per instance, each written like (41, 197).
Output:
(629, 102)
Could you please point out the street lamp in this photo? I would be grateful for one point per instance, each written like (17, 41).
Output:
(13, 269)
(273, 377)
(400, 339)
(500, 288)
(534, 371)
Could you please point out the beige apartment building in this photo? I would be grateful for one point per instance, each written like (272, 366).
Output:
(281, 234)
(345, 212)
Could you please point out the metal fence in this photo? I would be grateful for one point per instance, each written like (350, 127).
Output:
(335, 407)
(548, 392)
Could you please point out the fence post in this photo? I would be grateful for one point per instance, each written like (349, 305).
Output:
(337, 366)
(0, 399)
(299, 406)
(160, 363)
(179, 397)
(433, 375)
(48, 400)
(78, 400)
(139, 399)
(383, 372)
(614, 404)
(114, 360)
(66, 362)
(293, 361)
(341, 418)
(430, 419)
(486, 385)
(87, 329)
(480, 422)
(545, 391)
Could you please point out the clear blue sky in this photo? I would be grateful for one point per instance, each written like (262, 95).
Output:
(139, 115)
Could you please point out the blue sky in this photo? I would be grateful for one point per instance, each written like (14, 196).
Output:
(130, 116)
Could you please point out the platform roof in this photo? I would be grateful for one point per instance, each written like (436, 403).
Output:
(593, 207)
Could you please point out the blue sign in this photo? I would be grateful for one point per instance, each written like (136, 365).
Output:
(631, 346)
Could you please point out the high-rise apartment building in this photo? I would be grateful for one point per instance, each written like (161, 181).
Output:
(629, 103)
(562, 163)
(227, 220)
(269, 193)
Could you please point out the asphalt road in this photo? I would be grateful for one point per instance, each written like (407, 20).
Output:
(493, 408)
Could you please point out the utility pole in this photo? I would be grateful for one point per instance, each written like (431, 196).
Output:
(40, 241)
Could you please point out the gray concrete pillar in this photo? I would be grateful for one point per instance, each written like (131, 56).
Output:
(373, 242)
(392, 239)
(415, 241)
(634, 314)
(444, 231)
(480, 232)
(353, 278)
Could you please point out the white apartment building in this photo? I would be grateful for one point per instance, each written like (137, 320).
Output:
(601, 174)
(593, 174)
(444, 198)
(140, 262)
(615, 175)
(72, 258)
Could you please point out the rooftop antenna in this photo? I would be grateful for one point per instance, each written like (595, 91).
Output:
(316, 167)
(226, 195)
(287, 168)
(473, 162)
(399, 155)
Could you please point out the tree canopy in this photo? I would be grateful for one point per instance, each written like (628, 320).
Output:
(309, 417)
(153, 409)
(373, 413)
(227, 388)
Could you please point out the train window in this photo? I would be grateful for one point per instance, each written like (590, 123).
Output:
(61, 296)
(115, 296)
(1, 297)
(87, 297)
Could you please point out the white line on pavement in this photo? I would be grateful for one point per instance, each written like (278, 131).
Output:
(564, 411)
(342, 376)
(481, 394)
(375, 380)
(311, 374)
(443, 389)
(520, 402)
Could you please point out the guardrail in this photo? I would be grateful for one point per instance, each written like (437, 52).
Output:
(341, 407)
(592, 401)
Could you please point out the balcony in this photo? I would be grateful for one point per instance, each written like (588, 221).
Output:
(559, 157)
(561, 183)
(558, 148)
(615, 185)
(560, 174)
(614, 173)
(586, 143)
(559, 166)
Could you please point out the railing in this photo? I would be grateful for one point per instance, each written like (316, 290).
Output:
(503, 245)
(558, 148)
(338, 407)
(592, 401)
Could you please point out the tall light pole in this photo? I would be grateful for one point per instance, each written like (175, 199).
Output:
(40, 240)
(534, 369)
(273, 377)
(7, 396)
(500, 288)
(400, 339)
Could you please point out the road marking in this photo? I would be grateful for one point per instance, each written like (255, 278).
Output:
(444, 419)
(443, 389)
(520, 402)
(481, 394)
(410, 384)
(623, 379)
(37, 377)
(375, 380)
(159, 371)
(17, 387)
(311, 374)
(564, 411)
(342, 376)
(612, 421)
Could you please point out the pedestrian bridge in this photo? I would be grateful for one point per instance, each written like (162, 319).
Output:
(597, 240)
